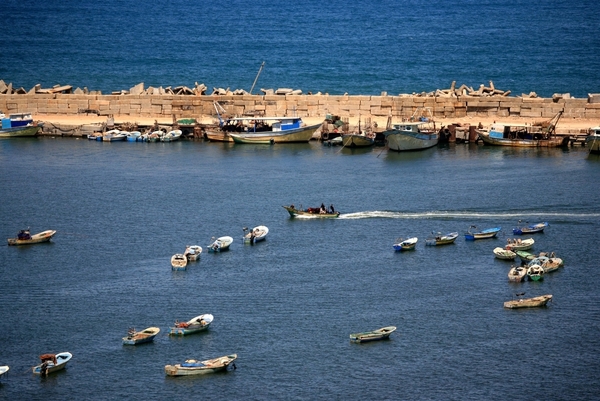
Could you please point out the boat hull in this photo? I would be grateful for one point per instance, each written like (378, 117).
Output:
(554, 142)
(528, 302)
(532, 229)
(303, 134)
(220, 244)
(442, 240)
(192, 367)
(16, 132)
(179, 262)
(375, 335)
(517, 274)
(141, 337)
(481, 235)
(400, 141)
(44, 236)
(357, 141)
(296, 212)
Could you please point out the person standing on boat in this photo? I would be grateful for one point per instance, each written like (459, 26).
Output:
(332, 209)
(323, 211)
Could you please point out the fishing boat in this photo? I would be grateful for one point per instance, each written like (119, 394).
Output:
(414, 135)
(504, 254)
(220, 244)
(139, 337)
(516, 244)
(52, 363)
(192, 252)
(405, 244)
(548, 264)
(535, 272)
(179, 261)
(114, 135)
(171, 136)
(194, 367)
(195, 325)
(357, 140)
(530, 229)
(18, 125)
(517, 273)
(524, 135)
(483, 234)
(315, 212)
(133, 136)
(251, 129)
(592, 141)
(528, 302)
(525, 256)
(3, 370)
(257, 234)
(247, 139)
(441, 239)
(375, 335)
(24, 237)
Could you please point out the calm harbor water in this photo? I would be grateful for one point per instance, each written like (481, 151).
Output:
(361, 48)
(286, 306)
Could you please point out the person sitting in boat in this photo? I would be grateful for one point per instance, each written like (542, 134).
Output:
(24, 234)
(322, 211)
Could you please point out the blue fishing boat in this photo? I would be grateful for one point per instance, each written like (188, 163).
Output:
(472, 235)
(530, 229)
(18, 125)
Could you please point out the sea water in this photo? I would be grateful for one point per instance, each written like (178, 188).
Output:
(361, 47)
(287, 305)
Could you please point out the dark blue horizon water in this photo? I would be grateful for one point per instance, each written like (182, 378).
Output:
(361, 47)
(287, 306)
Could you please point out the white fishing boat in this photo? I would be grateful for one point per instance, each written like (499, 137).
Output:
(195, 325)
(114, 135)
(517, 273)
(413, 135)
(3, 370)
(257, 234)
(171, 136)
(24, 237)
(504, 254)
(441, 239)
(192, 252)
(374, 335)
(592, 141)
(179, 261)
(52, 363)
(194, 367)
(517, 244)
(405, 244)
(220, 244)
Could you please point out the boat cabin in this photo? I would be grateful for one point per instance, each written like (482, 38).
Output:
(16, 120)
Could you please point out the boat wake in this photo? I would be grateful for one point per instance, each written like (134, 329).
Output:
(460, 215)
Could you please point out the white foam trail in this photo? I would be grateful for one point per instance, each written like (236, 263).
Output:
(464, 215)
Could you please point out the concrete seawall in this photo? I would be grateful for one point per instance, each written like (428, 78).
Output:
(378, 108)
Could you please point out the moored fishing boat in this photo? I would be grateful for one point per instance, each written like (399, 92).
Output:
(516, 244)
(374, 335)
(24, 237)
(19, 125)
(195, 325)
(247, 139)
(357, 140)
(441, 239)
(179, 261)
(192, 252)
(528, 302)
(530, 229)
(592, 141)
(405, 244)
(315, 212)
(505, 254)
(275, 129)
(114, 135)
(194, 367)
(4, 369)
(139, 337)
(524, 135)
(257, 234)
(535, 272)
(52, 363)
(548, 264)
(472, 235)
(412, 136)
(171, 136)
(220, 244)
(517, 273)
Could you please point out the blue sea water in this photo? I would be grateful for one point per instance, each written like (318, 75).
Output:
(359, 47)
(287, 305)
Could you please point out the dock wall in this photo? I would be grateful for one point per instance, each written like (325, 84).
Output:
(375, 107)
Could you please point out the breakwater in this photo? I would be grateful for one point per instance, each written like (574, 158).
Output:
(319, 106)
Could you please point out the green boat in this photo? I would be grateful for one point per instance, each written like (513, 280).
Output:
(313, 212)
(375, 335)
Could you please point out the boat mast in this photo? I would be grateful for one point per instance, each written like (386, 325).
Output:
(256, 79)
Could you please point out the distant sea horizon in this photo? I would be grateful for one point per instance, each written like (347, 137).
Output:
(359, 48)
